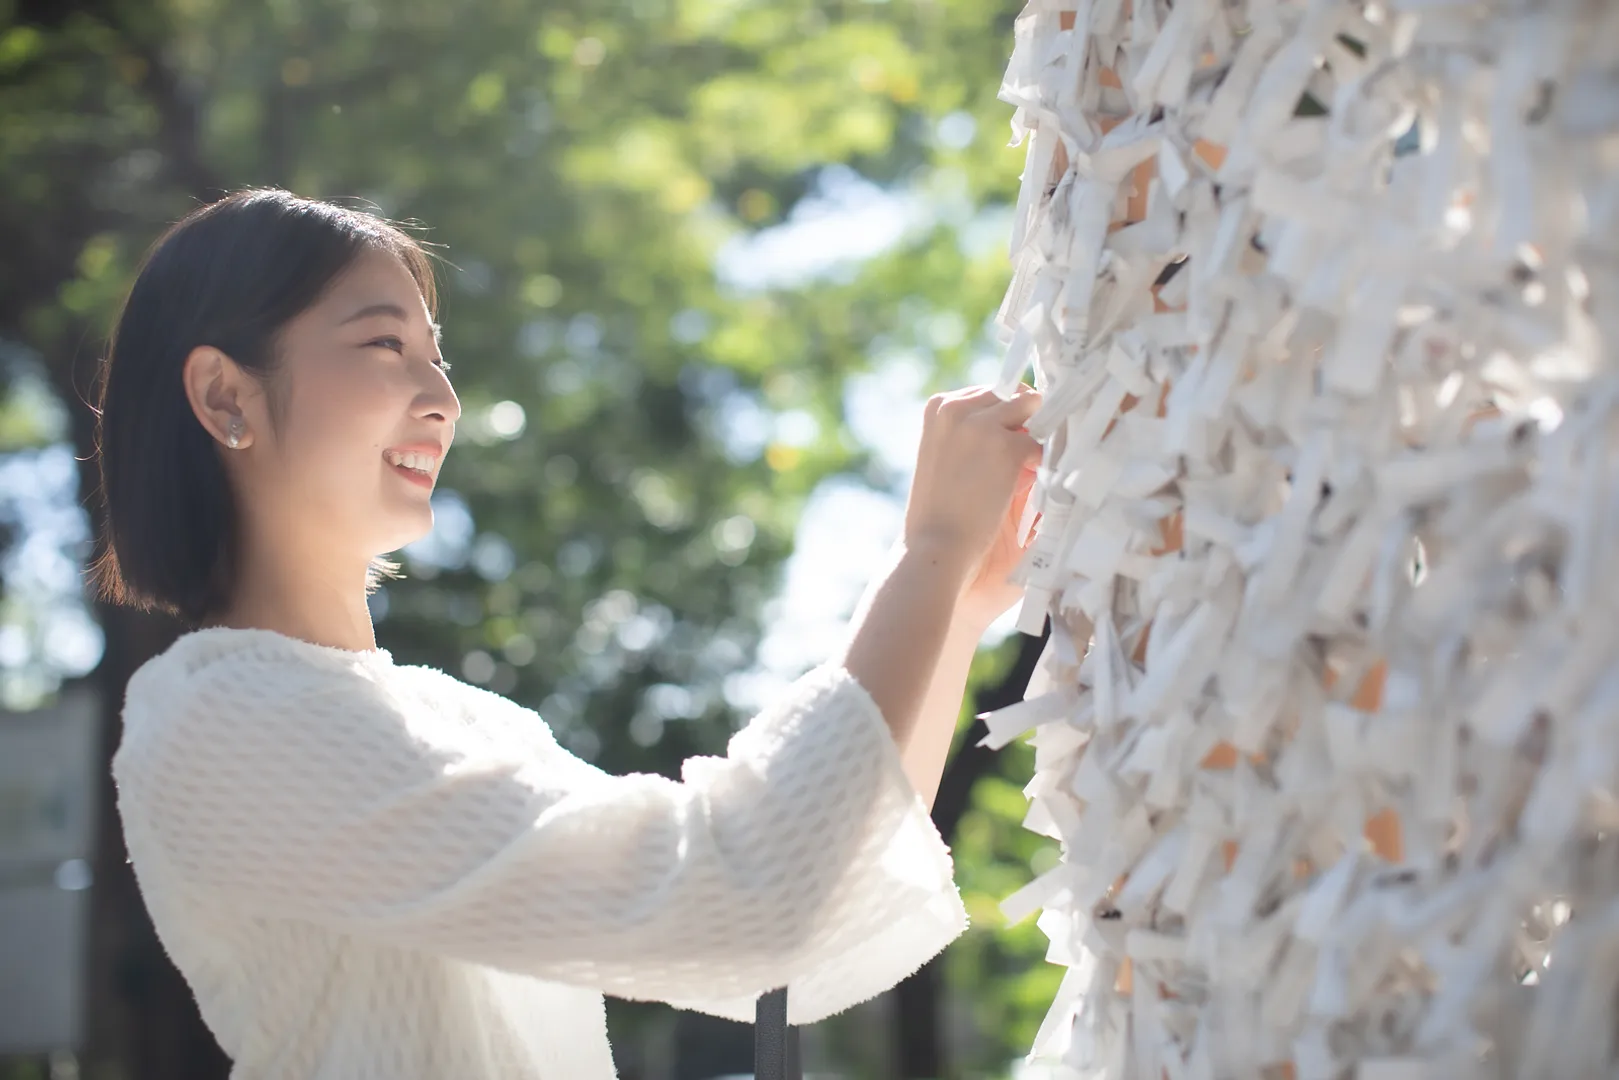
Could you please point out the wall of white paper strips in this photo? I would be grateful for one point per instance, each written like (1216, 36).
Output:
(1323, 296)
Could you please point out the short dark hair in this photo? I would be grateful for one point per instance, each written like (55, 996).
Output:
(230, 274)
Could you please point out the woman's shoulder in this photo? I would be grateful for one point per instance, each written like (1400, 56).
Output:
(231, 673)
(223, 701)
(245, 656)
(223, 676)
(245, 699)
(196, 652)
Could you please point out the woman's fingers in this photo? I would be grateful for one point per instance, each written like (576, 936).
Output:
(1015, 411)
(975, 455)
(985, 397)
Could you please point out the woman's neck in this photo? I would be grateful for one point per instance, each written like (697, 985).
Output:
(314, 607)
(349, 637)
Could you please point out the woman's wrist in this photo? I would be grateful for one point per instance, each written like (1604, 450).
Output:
(972, 612)
(952, 563)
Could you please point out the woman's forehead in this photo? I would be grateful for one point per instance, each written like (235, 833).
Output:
(377, 285)
(376, 269)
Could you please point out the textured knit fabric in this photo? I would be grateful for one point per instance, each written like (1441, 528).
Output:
(368, 870)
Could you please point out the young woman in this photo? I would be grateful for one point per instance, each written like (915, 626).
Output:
(367, 870)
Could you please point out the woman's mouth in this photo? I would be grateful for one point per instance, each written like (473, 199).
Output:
(417, 468)
(415, 476)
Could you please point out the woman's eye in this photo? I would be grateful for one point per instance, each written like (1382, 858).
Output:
(398, 345)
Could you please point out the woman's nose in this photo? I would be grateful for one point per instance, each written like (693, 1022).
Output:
(440, 403)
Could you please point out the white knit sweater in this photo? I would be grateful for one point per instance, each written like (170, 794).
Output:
(370, 871)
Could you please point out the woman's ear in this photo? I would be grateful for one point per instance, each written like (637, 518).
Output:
(219, 390)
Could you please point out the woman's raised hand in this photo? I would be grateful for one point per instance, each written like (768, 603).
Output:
(933, 589)
(973, 454)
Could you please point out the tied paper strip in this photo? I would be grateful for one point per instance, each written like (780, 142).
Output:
(1322, 297)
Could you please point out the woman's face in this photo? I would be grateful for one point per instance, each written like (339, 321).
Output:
(362, 392)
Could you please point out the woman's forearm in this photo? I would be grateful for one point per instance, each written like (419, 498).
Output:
(906, 649)
(929, 749)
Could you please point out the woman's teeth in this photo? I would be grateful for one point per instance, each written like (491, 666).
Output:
(422, 463)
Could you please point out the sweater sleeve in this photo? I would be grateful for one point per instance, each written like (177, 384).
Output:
(801, 858)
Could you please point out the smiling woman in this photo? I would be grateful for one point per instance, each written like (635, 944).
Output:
(271, 353)
(367, 870)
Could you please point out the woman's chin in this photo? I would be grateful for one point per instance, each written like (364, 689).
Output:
(408, 526)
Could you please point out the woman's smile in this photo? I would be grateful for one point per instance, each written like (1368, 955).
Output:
(415, 476)
(417, 462)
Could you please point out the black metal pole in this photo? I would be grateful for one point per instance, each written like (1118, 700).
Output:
(775, 1042)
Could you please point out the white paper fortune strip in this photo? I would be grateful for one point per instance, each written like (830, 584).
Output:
(1323, 296)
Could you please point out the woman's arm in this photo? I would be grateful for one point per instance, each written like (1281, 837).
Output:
(909, 652)
(271, 788)
(912, 636)
(911, 645)
(917, 627)
(927, 753)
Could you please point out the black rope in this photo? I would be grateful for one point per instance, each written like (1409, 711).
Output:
(775, 1042)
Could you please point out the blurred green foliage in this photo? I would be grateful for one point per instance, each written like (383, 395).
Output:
(580, 165)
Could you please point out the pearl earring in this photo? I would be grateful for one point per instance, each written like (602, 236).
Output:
(234, 436)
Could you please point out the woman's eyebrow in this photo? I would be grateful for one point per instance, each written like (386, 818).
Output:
(387, 308)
